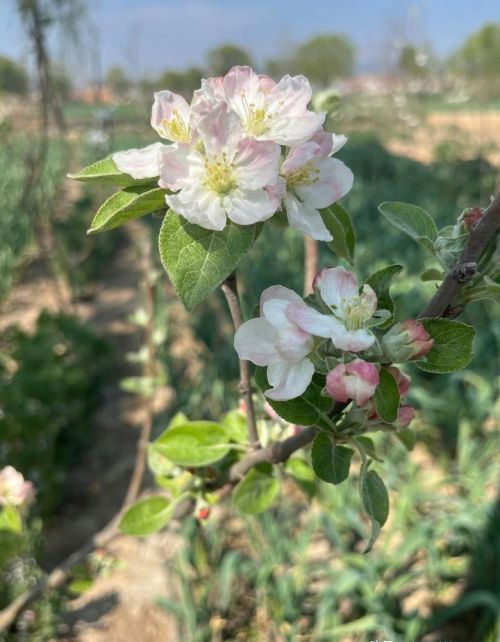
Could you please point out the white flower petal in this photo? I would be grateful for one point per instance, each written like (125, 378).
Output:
(294, 130)
(140, 163)
(199, 206)
(352, 340)
(279, 292)
(289, 380)
(254, 341)
(336, 285)
(256, 163)
(180, 166)
(314, 322)
(245, 207)
(306, 219)
(220, 131)
(170, 116)
(335, 181)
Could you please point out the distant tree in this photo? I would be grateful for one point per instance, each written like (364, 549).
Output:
(479, 56)
(325, 58)
(181, 82)
(13, 78)
(62, 83)
(413, 61)
(118, 81)
(221, 59)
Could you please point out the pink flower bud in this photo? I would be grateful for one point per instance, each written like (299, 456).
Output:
(406, 415)
(356, 380)
(204, 513)
(407, 341)
(14, 490)
(472, 217)
(403, 380)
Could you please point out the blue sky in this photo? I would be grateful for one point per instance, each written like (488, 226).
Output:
(149, 36)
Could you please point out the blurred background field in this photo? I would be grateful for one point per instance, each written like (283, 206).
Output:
(76, 312)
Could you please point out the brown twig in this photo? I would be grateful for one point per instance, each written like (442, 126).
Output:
(465, 268)
(230, 289)
(311, 263)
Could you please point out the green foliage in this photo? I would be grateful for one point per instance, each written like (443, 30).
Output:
(256, 492)
(196, 443)
(339, 224)
(452, 349)
(221, 59)
(375, 501)
(13, 78)
(147, 516)
(479, 55)
(330, 462)
(50, 386)
(324, 58)
(106, 172)
(412, 220)
(387, 397)
(381, 281)
(126, 205)
(181, 82)
(118, 81)
(306, 410)
(197, 260)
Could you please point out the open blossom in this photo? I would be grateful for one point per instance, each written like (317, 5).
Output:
(356, 380)
(170, 117)
(14, 490)
(224, 179)
(314, 181)
(407, 341)
(269, 110)
(350, 311)
(275, 341)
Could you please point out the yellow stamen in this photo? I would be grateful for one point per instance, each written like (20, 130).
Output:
(219, 177)
(305, 175)
(175, 129)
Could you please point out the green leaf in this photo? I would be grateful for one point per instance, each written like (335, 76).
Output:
(305, 410)
(381, 281)
(375, 501)
(369, 447)
(257, 490)
(407, 437)
(130, 203)
(452, 349)
(196, 443)
(198, 260)
(330, 462)
(339, 224)
(412, 220)
(105, 171)
(387, 397)
(432, 274)
(10, 520)
(147, 516)
(236, 427)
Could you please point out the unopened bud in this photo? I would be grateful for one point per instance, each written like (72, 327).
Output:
(407, 341)
(471, 217)
(204, 513)
(406, 414)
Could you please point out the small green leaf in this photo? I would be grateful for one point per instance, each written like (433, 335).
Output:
(369, 447)
(197, 443)
(236, 427)
(147, 516)
(387, 397)
(432, 274)
(375, 501)
(10, 520)
(197, 260)
(339, 224)
(330, 462)
(179, 419)
(305, 410)
(407, 437)
(105, 171)
(256, 491)
(412, 220)
(130, 203)
(452, 349)
(381, 281)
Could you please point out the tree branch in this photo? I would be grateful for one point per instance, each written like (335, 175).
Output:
(465, 268)
(230, 289)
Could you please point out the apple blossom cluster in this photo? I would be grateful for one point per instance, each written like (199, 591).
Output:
(245, 148)
(14, 489)
(289, 335)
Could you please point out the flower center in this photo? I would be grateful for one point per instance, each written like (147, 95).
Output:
(175, 128)
(308, 174)
(219, 176)
(356, 312)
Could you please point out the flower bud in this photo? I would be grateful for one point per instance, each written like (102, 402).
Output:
(406, 414)
(204, 513)
(356, 380)
(14, 490)
(403, 380)
(407, 341)
(471, 217)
